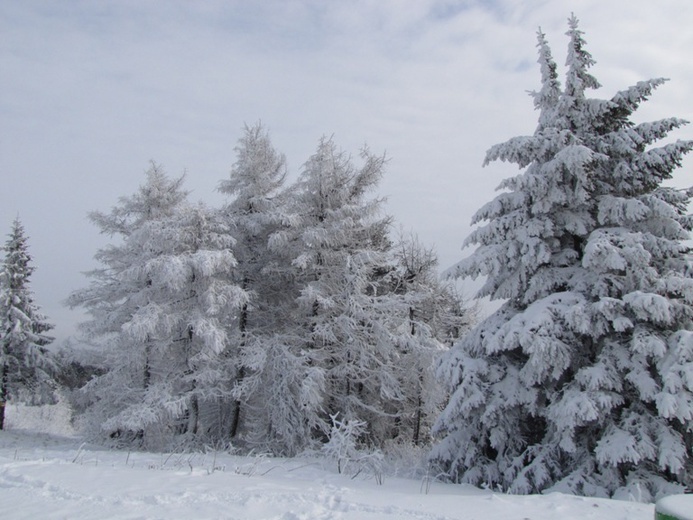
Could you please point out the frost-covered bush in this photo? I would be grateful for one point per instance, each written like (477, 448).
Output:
(346, 449)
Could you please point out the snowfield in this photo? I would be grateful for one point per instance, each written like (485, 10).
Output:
(52, 477)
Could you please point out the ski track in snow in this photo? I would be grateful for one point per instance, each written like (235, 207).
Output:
(57, 478)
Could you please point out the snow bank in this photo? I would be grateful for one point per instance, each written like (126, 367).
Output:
(675, 507)
(50, 477)
(54, 419)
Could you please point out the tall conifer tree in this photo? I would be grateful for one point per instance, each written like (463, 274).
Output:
(256, 214)
(345, 306)
(160, 306)
(582, 380)
(25, 364)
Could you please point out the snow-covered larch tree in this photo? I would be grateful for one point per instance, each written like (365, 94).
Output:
(257, 217)
(345, 306)
(198, 309)
(582, 381)
(26, 367)
(159, 307)
(433, 316)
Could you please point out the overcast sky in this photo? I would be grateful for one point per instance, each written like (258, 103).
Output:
(90, 91)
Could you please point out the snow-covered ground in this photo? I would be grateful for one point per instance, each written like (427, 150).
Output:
(51, 476)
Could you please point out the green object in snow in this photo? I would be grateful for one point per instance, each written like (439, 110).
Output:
(674, 507)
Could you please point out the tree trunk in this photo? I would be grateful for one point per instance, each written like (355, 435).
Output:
(419, 403)
(146, 380)
(417, 423)
(194, 414)
(146, 370)
(236, 417)
(242, 327)
(3, 394)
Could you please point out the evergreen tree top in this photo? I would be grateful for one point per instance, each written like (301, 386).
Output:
(22, 322)
(156, 198)
(17, 266)
(579, 61)
(259, 170)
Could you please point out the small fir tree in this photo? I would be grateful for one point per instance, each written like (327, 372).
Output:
(26, 367)
(581, 381)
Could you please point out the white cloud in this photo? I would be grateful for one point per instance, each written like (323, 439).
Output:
(90, 91)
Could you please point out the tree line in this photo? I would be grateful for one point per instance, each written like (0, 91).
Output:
(261, 322)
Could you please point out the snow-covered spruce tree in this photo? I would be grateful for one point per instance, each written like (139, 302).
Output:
(26, 367)
(583, 380)
(159, 307)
